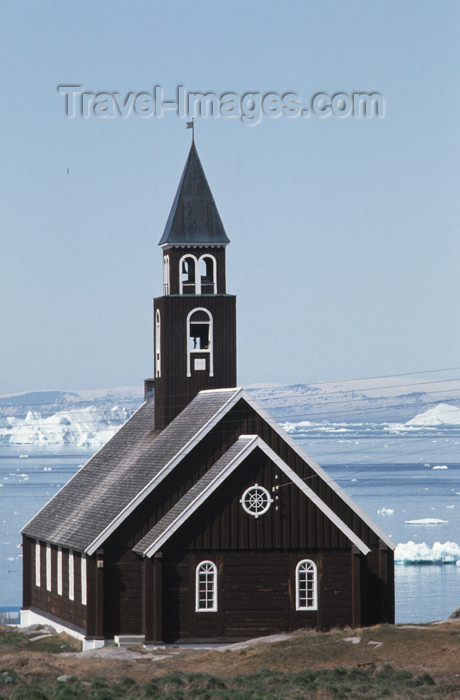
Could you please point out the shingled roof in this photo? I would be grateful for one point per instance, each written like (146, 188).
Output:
(195, 495)
(117, 478)
(194, 219)
(84, 512)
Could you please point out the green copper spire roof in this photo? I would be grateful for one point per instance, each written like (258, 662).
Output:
(194, 219)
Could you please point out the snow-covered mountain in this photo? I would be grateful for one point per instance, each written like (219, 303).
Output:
(387, 399)
(388, 405)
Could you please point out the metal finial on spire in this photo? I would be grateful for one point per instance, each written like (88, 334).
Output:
(191, 125)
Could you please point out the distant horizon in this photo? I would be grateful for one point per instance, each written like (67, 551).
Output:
(425, 376)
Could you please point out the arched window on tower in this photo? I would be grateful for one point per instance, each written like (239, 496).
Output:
(187, 274)
(166, 274)
(157, 344)
(208, 281)
(200, 342)
(306, 585)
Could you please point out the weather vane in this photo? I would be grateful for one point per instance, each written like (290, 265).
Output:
(191, 125)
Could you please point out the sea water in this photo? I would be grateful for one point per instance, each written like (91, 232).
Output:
(410, 489)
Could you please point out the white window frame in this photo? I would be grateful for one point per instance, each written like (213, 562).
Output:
(256, 500)
(48, 566)
(59, 571)
(306, 585)
(166, 277)
(157, 344)
(71, 576)
(197, 276)
(209, 570)
(37, 563)
(83, 580)
(214, 272)
(210, 350)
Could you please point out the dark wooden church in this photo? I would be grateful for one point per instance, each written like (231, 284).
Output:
(201, 519)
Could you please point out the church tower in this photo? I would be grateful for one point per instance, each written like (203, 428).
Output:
(195, 319)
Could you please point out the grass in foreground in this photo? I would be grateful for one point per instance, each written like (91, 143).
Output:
(266, 684)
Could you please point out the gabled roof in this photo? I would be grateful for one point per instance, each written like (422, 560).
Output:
(96, 501)
(194, 219)
(224, 466)
(113, 482)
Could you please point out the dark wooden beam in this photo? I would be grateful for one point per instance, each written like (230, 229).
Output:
(158, 598)
(148, 600)
(26, 572)
(99, 589)
(355, 587)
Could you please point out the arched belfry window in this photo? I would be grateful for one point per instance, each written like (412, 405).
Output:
(166, 277)
(208, 281)
(187, 275)
(306, 585)
(206, 587)
(157, 344)
(200, 342)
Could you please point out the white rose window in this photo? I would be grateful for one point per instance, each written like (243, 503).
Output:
(256, 500)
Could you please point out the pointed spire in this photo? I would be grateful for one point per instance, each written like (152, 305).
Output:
(194, 219)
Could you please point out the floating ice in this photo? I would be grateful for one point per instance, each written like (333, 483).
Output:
(426, 521)
(422, 553)
(442, 414)
(385, 511)
(441, 466)
(85, 427)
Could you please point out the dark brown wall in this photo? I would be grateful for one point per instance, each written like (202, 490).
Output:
(174, 390)
(122, 590)
(292, 520)
(256, 594)
(59, 606)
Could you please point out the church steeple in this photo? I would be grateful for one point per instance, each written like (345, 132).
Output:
(194, 320)
(194, 219)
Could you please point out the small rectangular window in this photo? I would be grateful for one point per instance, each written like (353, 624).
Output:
(59, 571)
(83, 580)
(48, 566)
(37, 563)
(71, 576)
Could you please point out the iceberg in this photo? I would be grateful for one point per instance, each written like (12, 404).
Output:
(84, 427)
(442, 414)
(422, 553)
(426, 521)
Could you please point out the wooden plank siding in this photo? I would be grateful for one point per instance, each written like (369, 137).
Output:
(256, 594)
(174, 390)
(39, 598)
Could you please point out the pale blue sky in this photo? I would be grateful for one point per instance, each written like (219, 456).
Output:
(345, 245)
